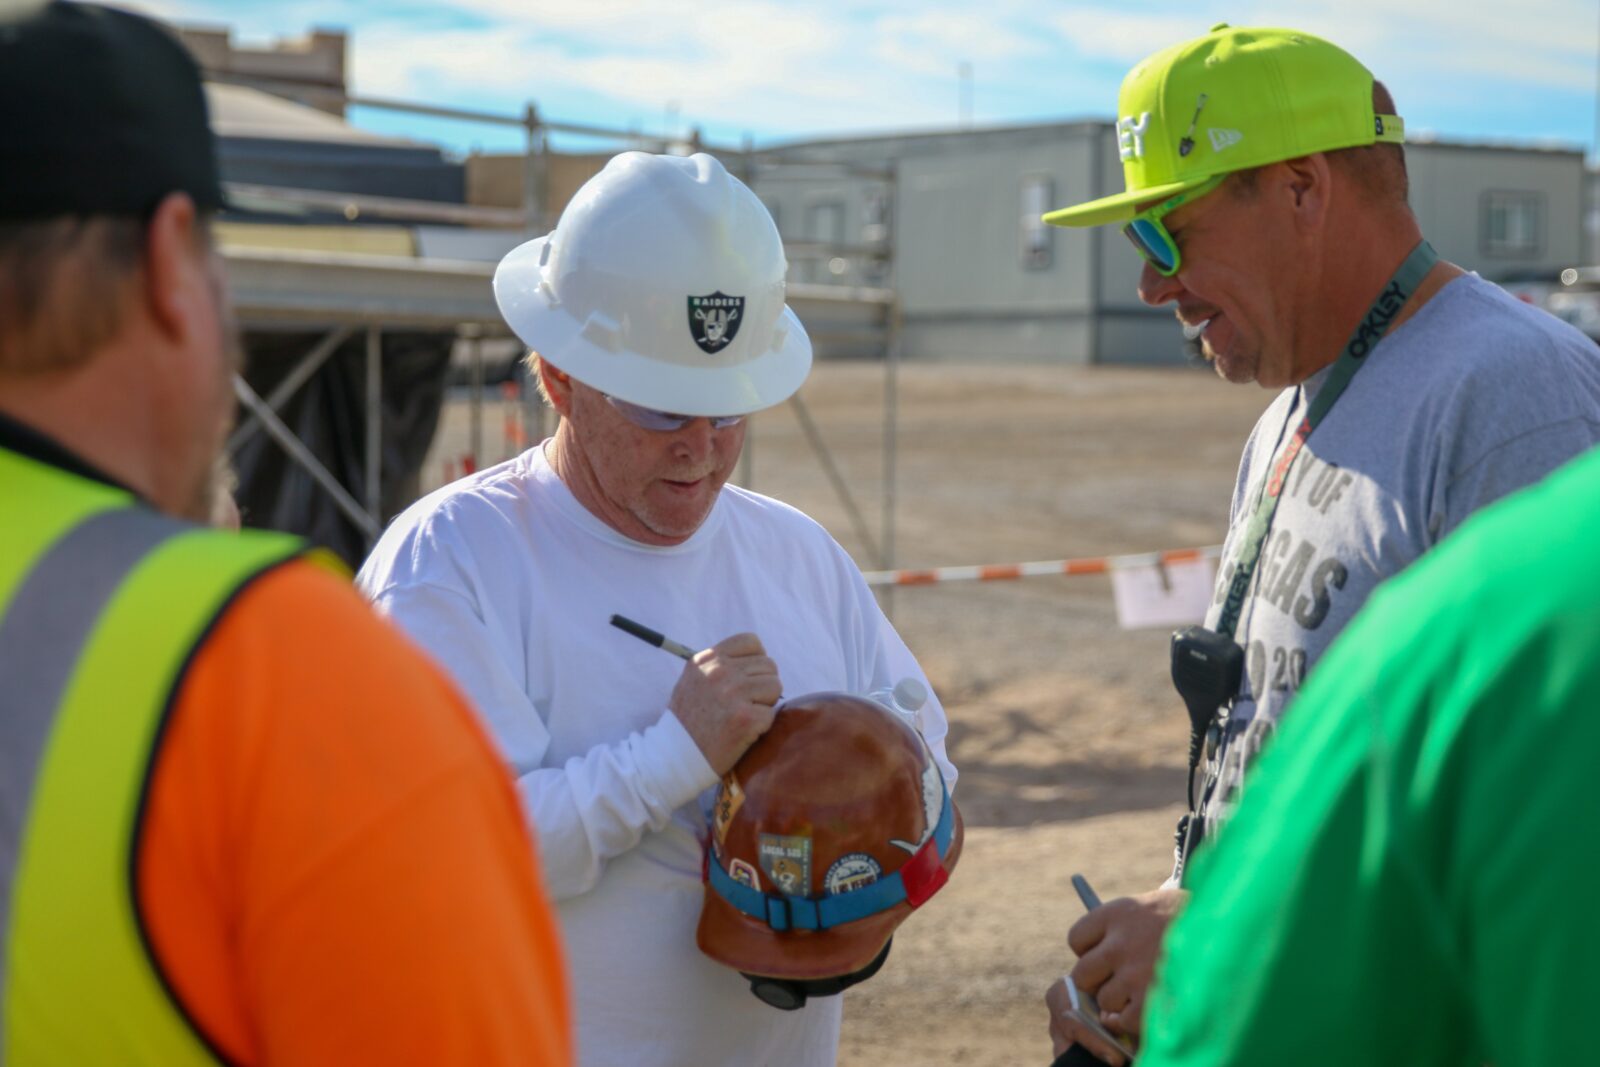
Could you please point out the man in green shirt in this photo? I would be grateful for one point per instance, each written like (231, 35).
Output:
(1406, 879)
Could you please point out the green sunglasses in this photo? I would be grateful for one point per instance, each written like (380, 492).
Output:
(1151, 238)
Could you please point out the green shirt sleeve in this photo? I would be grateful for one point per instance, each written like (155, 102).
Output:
(1406, 879)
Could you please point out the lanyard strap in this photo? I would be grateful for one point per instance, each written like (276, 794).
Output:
(1370, 331)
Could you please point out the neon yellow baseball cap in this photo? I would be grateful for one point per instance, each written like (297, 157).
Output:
(1232, 100)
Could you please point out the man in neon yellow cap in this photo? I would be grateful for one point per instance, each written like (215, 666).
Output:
(1267, 193)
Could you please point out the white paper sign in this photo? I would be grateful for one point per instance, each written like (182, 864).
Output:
(1177, 594)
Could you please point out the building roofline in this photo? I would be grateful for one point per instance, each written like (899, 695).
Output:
(1499, 144)
(932, 133)
(1086, 124)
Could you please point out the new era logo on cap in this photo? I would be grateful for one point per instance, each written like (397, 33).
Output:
(1221, 139)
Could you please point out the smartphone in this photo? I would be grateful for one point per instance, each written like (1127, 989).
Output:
(1083, 1004)
(1088, 1012)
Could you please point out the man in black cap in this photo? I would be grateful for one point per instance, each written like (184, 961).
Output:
(241, 820)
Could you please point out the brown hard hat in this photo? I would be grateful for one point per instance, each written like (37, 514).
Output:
(830, 830)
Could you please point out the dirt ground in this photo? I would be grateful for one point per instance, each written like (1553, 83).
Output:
(1068, 738)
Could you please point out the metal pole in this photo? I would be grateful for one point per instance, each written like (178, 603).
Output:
(840, 486)
(891, 434)
(534, 176)
(964, 95)
(527, 401)
(291, 383)
(746, 457)
(297, 90)
(475, 399)
(891, 396)
(302, 455)
(1590, 204)
(545, 422)
(375, 424)
(1094, 295)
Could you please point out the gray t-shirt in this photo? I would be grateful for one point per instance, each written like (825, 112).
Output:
(1474, 397)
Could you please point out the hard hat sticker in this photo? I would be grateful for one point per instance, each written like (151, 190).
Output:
(787, 862)
(932, 805)
(852, 871)
(714, 320)
(729, 799)
(743, 873)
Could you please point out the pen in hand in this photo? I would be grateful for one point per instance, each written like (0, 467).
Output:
(651, 637)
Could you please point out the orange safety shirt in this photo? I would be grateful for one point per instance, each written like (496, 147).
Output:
(332, 865)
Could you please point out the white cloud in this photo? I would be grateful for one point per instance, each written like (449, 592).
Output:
(1127, 37)
(1544, 42)
(1465, 68)
(1535, 42)
(956, 34)
(790, 66)
(392, 60)
(719, 51)
(752, 64)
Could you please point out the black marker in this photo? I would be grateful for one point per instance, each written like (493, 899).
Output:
(651, 637)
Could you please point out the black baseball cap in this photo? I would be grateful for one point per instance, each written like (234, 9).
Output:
(101, 113)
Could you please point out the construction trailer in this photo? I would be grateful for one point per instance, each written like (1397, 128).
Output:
(980, 277)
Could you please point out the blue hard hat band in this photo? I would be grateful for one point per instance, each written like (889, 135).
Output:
(782, 912)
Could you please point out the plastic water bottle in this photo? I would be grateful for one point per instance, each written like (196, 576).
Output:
(905, 700)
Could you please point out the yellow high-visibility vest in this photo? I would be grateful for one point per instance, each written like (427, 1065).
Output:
(103, 604)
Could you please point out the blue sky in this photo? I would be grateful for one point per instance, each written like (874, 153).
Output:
(778, 69)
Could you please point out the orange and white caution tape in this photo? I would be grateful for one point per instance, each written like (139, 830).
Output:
(1005, 571)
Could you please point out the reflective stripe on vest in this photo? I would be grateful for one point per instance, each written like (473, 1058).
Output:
(97, 625)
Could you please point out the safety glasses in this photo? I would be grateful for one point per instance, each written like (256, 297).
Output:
(1151, 238)
(650, 419)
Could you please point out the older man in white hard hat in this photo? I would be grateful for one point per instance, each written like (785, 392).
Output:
(655, 313)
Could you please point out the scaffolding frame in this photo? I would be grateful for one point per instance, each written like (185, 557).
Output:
(339, 294)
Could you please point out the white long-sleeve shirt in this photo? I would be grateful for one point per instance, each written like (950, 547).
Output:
(510, 582)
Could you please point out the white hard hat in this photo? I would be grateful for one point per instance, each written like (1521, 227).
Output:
(662, 285)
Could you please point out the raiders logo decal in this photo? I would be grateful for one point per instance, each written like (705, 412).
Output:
(714, 320)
